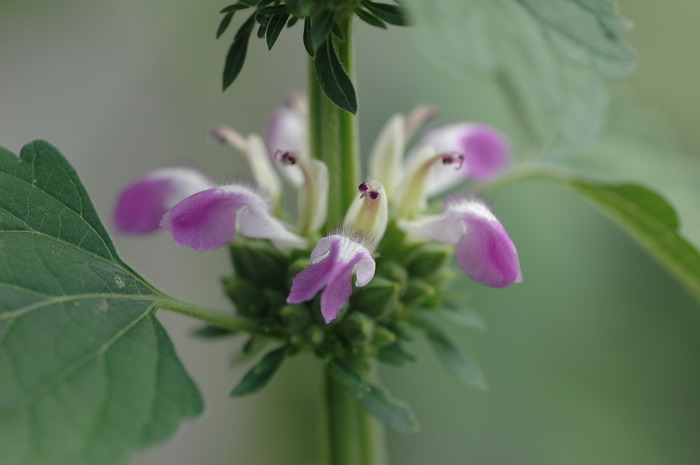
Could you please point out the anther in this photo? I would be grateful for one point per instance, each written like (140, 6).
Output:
(454, 158)
(286, 157)
(364, 187)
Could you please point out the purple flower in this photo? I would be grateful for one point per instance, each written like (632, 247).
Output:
(142, 203)
(485, 252)
(486, 151)
(334, 259)
(209, 219)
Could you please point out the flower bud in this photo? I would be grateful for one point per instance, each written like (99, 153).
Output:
(428, 259)
(379, 298)
(295, 316)
(358, 328)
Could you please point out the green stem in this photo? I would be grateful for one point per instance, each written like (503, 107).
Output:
(333, 135)
(214, 318)
(354, 437)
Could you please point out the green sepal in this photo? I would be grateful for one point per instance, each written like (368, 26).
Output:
(258, 376)
(383, 337)
(395, 355)
(393, 413)
(259, 262)
(417, 292)
(295, 316)
(249, 301)
(357, 328)
(427, 259)
(379, 298)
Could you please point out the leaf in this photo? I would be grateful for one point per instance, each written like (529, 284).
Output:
(334, 81)
(320, 28)
(225, 21)
(261, 374)
(391, 412)
(395, 355)
(307, 38)
(463, 316)
(235, 7)
(212, 332)
(457, 362)
(86, 370)
(653, 223)
(369, 18)
(551, 56)
(236, 54)
(392, 14)
(274, 28)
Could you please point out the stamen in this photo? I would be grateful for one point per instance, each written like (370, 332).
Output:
(364, 187)
(286, 157)
(454, 158)
(366, 190)
(373, 195)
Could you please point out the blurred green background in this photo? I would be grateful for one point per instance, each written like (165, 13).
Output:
(593, 359)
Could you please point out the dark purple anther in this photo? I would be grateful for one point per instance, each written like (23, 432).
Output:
(286, 157)
(364, 187)
(454, 158)
(373, 195)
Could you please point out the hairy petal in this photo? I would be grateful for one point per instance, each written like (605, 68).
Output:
(207, 220)
(141, 204)
(334, 258)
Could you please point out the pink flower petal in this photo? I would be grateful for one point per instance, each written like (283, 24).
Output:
(207, 220)
(141, 204)
(335, 258)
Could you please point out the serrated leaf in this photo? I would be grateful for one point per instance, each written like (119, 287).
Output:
(261, 374)
(320, 28)
(653, 223)
(335, 82)
(393, 413)
(392, 14)
(551, 56)
(464, 369)
(87, 371)
(225, 22)
(274, 28)
(236, 54)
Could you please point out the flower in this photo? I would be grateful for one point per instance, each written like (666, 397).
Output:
(484, 252)
(207, 220)
(334, 260)
(141, 205)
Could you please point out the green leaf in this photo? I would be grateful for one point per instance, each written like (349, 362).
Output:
(212, 332)
(236, 54)
(235, 7)
(274, 28)
(261, 374)
(395, 355)
(320, 28)
(392, 14)
(225, 21)
(391, 412)
(335, 82)
(459, 314)
(87, 371)
(551, 56)
(369, 18)
(457, 362)
(653, 223)
(307, 38)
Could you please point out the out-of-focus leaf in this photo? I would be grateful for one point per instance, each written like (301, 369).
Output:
(236, 54)
(261, 374)
(653, 223)
(391, 412)
(551, 56)
(274, 28)
(392, 14)
(87, 372)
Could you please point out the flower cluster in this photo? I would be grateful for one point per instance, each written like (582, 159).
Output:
(386, 218)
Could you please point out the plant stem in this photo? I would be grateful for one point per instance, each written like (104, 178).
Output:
(333, 135)
(354, 437)
(214, 318)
